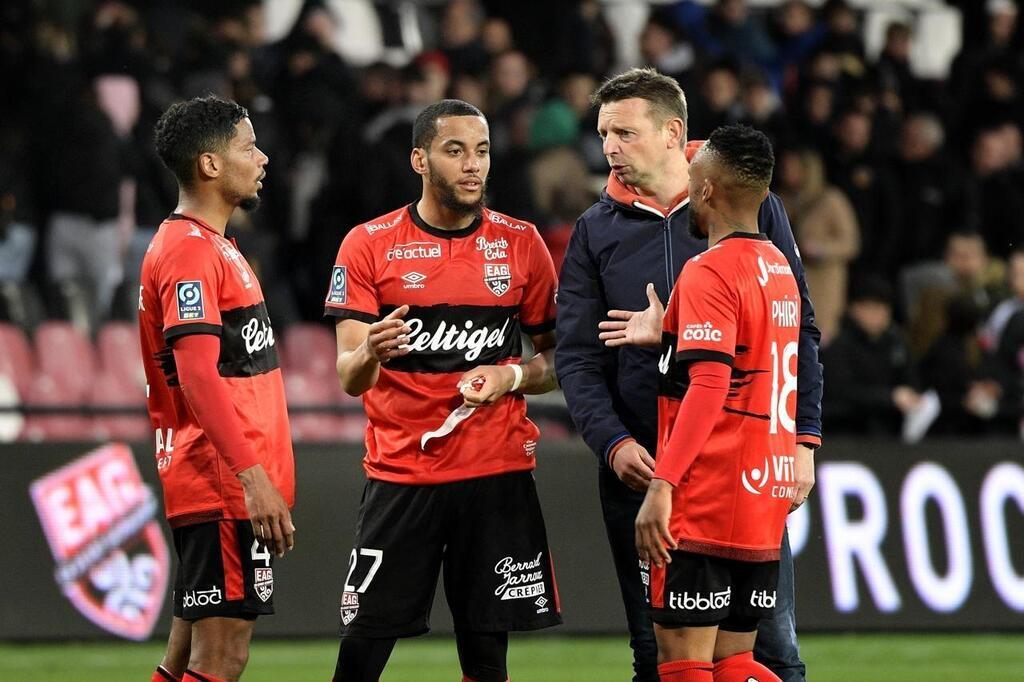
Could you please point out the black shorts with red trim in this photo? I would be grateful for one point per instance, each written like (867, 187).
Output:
(700, 590)
(487, 533)
(223, 571)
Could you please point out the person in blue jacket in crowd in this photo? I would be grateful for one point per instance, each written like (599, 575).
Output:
(634, 235)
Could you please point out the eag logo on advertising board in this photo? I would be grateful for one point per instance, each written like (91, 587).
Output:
(99, 518)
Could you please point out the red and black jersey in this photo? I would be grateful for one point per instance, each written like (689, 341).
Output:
(738, 304)
(471, 292)
(194, 281)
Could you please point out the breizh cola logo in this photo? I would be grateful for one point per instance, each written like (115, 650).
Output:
(99, 518)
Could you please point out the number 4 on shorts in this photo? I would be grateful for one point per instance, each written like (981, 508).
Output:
(378, 557)
(260, 553)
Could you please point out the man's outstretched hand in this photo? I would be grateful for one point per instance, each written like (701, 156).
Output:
(634, 328)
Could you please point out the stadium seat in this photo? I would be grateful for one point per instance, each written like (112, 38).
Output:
(304, 390)
(310, 349)
(111, 389)
(119, 351)
(67, 355)
(47, 391)
(16, 359)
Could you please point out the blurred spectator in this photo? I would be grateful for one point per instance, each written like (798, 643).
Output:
(868, 368)
(1001, 28)
(575, 89)
(826, 231)
(740, 34)
(854, 168)
(842, 36)
(967, 275)
(955, 367)
(893, 68)
(558, 173)
(762, 109)
(999, 195)
(798, 33)
(992, 331)
(815, 115)
(664, 46)
(933, 189)
(461, 37)
(719, 103)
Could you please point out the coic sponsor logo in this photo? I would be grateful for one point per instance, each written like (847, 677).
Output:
(762, 599)
(500, 220)
(766, 269)
(449, 337)
(530, 448)
(258, 335)
(414, 250)
(702, 332)
(197, 598)
(781, 471)
(520, 580)
(414, 280)
(700, 602)
(493, 250)
(377, 227)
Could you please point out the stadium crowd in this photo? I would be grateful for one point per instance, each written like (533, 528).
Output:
(906, 194)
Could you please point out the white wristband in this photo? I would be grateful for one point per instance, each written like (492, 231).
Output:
(518, 371)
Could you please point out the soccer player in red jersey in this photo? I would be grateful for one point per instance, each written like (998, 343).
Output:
(431, 301)
(712, 520)
(216, 398)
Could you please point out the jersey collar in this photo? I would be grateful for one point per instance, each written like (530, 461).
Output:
(437, 231)
(757, 236)
(191, 219)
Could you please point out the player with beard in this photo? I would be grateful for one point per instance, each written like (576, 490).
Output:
(431, 301)
(216, 397)
(724, 480)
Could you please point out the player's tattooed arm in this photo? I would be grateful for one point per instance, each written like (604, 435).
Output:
(634, 327)
(485, 384)
(363, 348)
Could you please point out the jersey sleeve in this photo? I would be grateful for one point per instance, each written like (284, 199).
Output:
(190, 276)
(352, 293)
(537, 311)
(707, 316)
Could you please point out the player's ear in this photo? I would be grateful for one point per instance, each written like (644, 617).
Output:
(210, 165)
(676, 133)
(418, 160)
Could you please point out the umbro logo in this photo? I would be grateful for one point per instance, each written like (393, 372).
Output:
(413, 280)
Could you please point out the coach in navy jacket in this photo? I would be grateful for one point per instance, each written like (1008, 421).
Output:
(618, 245)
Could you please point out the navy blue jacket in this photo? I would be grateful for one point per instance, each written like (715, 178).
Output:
(615, 250)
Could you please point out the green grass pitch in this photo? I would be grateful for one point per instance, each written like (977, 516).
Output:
(830, 658)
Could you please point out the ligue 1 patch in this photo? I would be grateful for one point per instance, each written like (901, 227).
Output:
(190, 300)
(263, 582)
(349, 607)
(498, 277)
(111, 558)
(339, 285)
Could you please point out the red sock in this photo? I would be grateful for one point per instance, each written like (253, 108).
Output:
(162, 674)
(685, 671)
(196, 676)
(743, 668)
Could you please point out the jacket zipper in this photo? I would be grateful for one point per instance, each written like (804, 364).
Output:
(667, 235)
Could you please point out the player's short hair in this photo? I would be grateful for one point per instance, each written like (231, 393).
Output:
(665, 99)
(424, 130)
(745, 153)
(196, 126)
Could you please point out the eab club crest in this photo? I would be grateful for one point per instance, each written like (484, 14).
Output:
(99, 519)
(497, 277)
(349, 607)
(264, 583)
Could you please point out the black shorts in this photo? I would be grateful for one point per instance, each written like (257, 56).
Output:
(489, 535)
(701, 590)
(223, 571)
